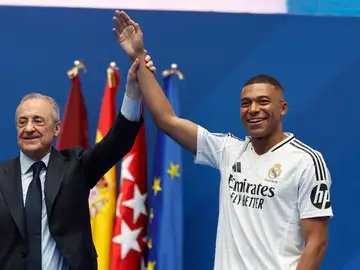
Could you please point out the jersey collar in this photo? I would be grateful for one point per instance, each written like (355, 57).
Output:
(290, 137)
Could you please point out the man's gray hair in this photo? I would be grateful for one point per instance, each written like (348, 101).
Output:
(55, 111)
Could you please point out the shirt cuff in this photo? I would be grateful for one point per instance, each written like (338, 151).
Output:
(131, 109)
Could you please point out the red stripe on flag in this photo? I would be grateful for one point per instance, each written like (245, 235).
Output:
(130, 226)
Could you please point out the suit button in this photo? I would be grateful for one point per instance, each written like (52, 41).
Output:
(22, 254)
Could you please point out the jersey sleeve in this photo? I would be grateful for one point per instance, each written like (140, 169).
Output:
(210, 148)
(314, 190)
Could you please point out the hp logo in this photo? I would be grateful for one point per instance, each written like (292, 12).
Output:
(320, 196)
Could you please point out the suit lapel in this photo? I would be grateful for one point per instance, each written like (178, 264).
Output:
(54, 177)
(10, 184)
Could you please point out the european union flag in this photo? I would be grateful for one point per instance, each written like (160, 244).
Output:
(165, 199)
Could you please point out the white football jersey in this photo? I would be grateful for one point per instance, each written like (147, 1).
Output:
(263, 198)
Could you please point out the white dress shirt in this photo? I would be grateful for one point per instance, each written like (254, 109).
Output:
(51, 255)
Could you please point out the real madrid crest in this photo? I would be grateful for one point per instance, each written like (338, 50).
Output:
(275, 171)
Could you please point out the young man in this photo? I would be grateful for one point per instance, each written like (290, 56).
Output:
(274, 191)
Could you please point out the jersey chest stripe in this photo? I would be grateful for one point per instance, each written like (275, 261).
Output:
(313, 157)
(318, 158)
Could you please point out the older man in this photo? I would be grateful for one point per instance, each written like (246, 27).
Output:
(44, 209)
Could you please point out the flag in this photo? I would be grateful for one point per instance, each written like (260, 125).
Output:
(131, 210)
(102, 199)
(74, 129)
(165, 200)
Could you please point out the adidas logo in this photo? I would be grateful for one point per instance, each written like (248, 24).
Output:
(237, 167)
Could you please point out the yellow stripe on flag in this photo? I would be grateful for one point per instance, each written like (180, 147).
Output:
(102, 210)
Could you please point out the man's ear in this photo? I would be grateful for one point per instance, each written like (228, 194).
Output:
(284, 108)
(57, 129)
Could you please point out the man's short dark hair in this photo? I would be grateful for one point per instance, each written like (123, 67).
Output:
(263, 78)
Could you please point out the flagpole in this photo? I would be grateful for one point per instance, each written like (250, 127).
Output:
(173, 70)
(74, 71)
(110, 74)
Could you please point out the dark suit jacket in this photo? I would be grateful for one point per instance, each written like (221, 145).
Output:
(70, 176)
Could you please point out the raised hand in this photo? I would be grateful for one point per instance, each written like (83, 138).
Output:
(129, 34)
(132, 75)
(132, 85)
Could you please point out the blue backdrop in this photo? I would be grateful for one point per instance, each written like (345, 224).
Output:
(317, 59)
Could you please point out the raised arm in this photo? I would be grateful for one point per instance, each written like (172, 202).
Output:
(181, 130)
(120, 138)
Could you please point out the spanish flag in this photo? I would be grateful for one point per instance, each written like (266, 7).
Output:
(102, 198)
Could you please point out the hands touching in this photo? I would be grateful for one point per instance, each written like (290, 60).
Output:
(130, 38)
(132, 85)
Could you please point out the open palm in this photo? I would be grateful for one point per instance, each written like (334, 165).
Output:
(128, 34)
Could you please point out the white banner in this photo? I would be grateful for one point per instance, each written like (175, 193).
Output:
(232, 6)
